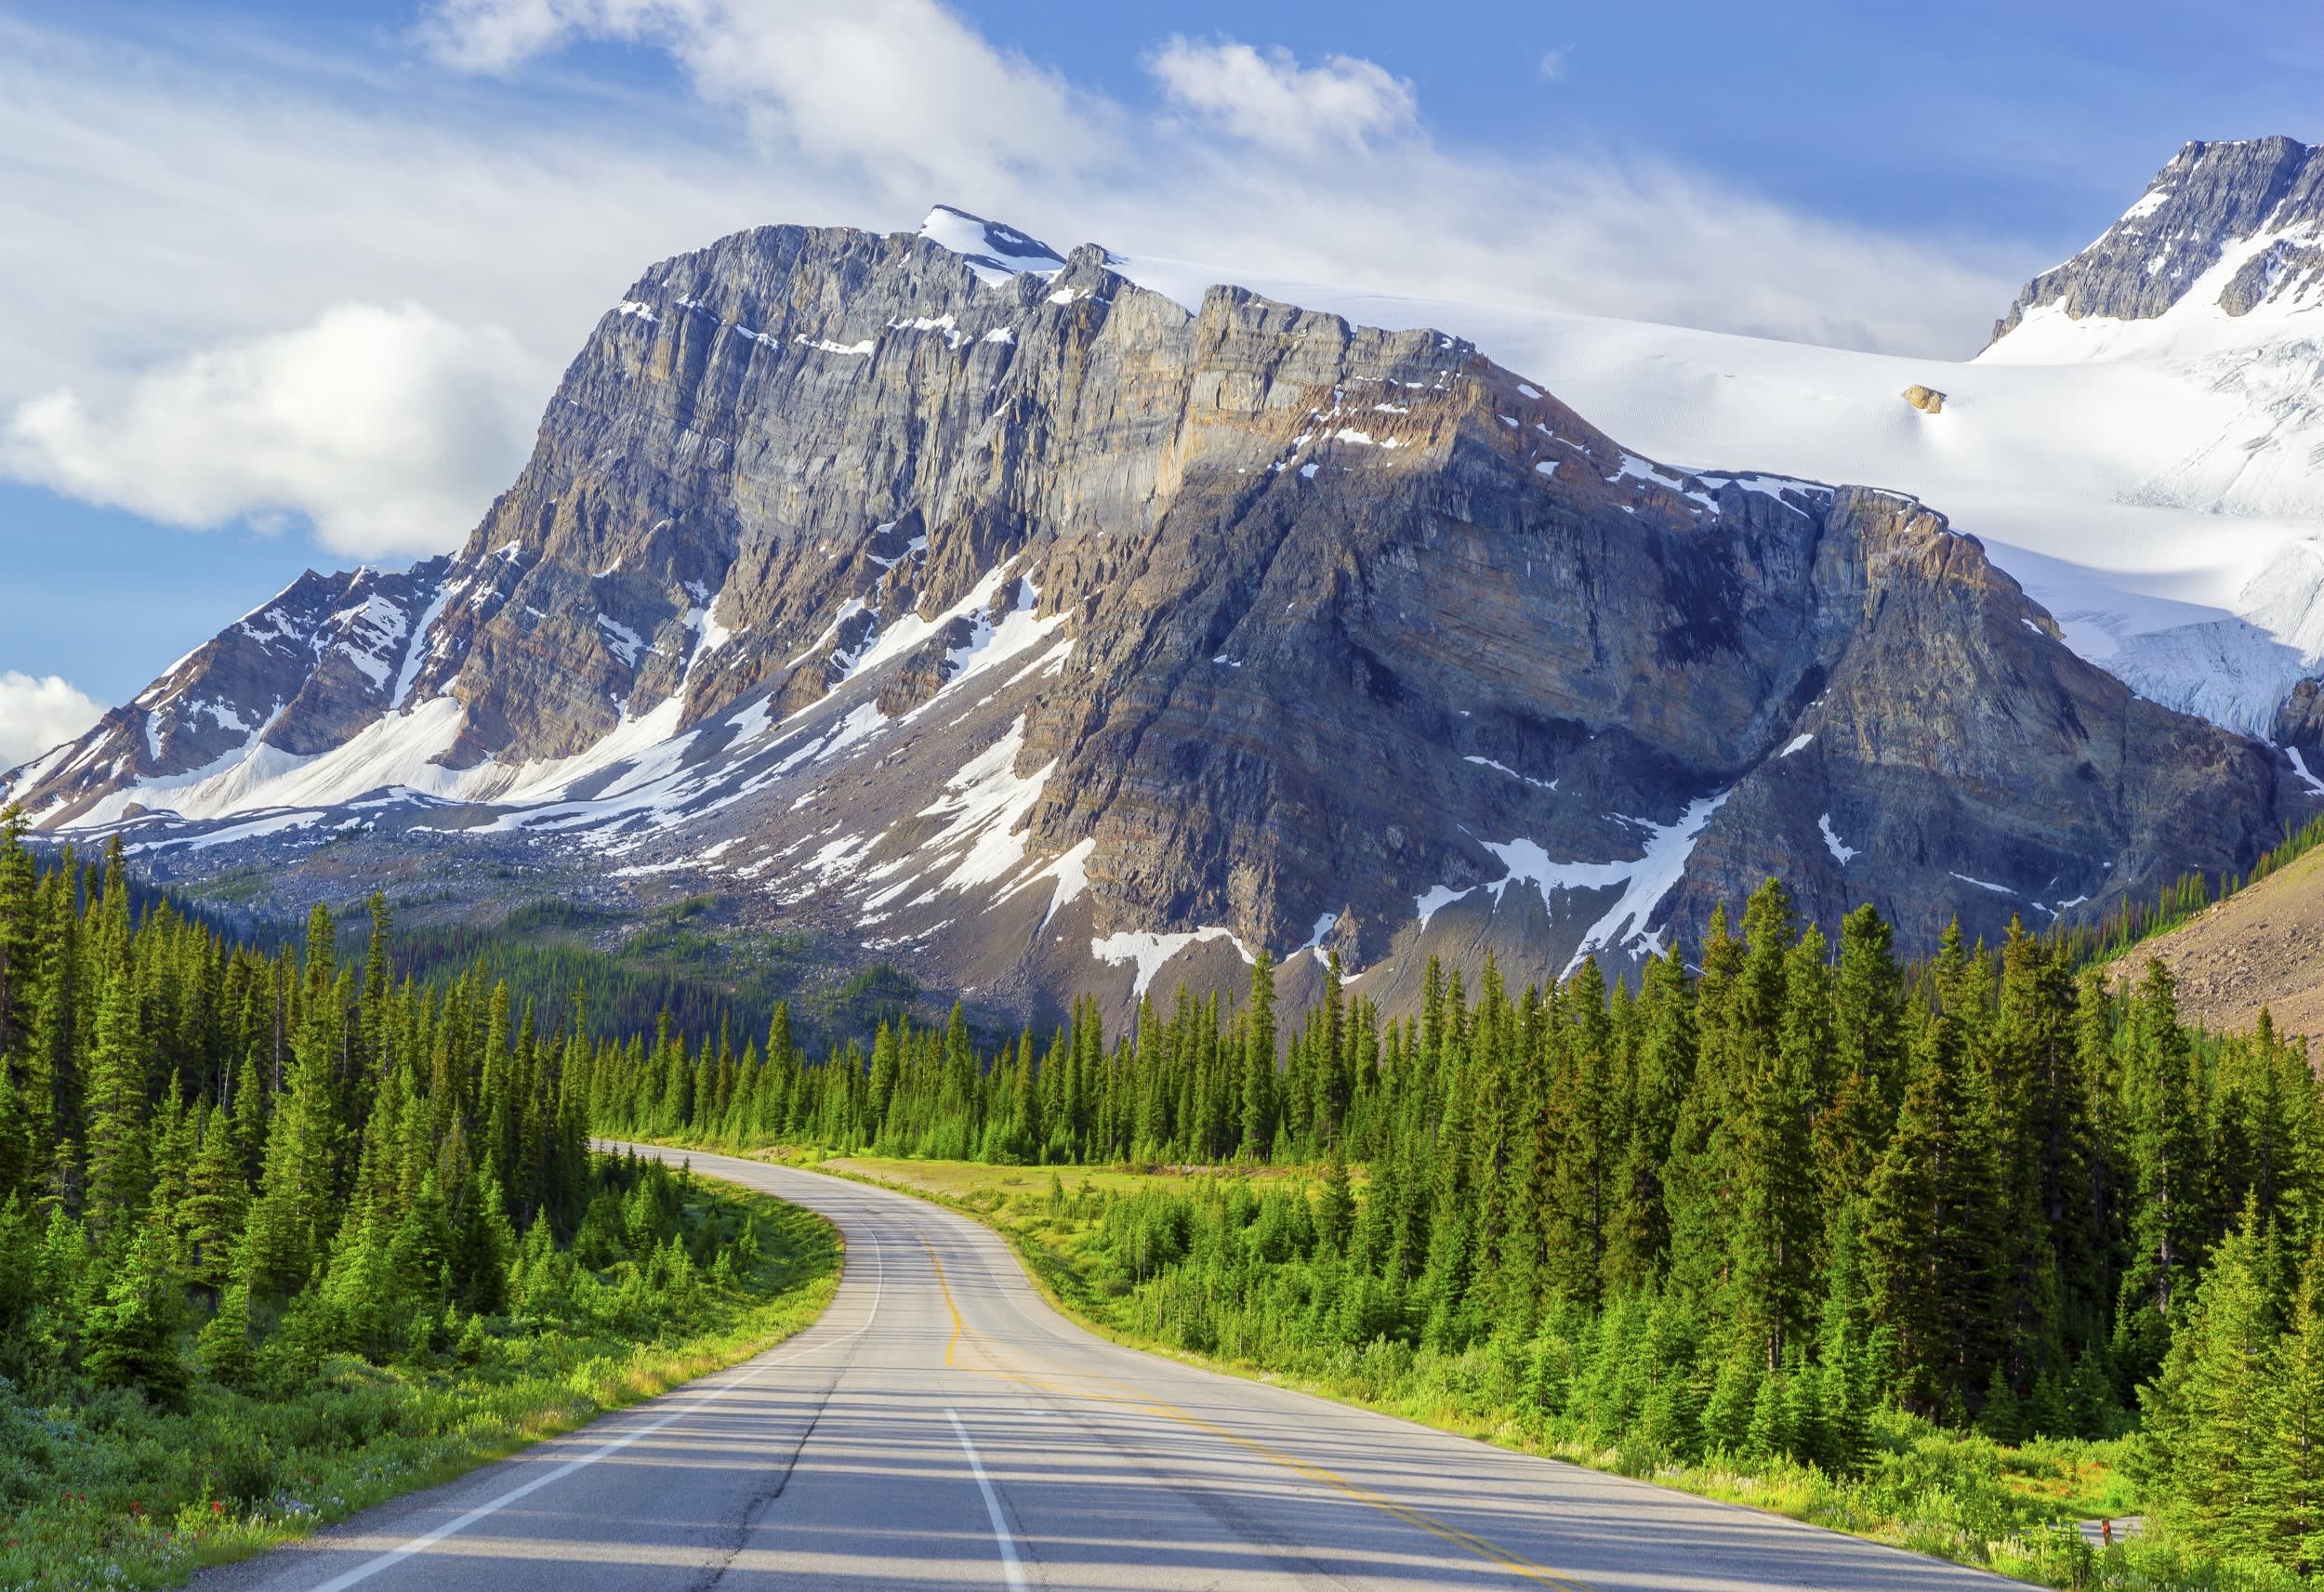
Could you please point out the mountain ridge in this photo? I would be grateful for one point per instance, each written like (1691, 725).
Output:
(2209, 197)
(1280, 625)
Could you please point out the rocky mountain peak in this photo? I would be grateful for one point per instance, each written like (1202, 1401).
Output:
(2240, 222)
(958, 602)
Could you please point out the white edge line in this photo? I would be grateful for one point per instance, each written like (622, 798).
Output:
(396, 1556)
(1009, 1567)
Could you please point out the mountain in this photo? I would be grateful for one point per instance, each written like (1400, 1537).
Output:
(2142, 459)
(2228, 226)
(970, 606)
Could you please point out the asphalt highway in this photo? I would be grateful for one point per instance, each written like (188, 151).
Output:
(942, 1426)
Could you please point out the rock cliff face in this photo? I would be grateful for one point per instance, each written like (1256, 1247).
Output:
(2259, 202)
(977, 609)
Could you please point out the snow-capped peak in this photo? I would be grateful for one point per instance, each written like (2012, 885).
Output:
(994, 251)
(2223, 230)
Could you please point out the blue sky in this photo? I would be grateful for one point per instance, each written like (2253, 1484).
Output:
(314, 269)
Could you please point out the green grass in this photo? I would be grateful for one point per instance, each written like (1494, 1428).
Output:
(108, 1492)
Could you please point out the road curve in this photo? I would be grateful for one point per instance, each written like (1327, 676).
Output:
(942, 1426)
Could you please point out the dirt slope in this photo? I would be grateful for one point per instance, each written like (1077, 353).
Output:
(2261, 947)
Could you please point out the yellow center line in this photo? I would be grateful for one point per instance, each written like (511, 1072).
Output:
(1490, 1552)
(959, 1326)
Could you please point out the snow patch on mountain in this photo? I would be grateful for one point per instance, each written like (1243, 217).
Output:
(994, 251)
(2300, 766)
(983, 807)
(421, 649)
(1069, 868)
(620, 640)
(366, 631)
(1505, 769)
(1644, 880)
(1841, 851)
(1151, 953)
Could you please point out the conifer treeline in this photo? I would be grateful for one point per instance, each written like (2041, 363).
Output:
(2001, 1176)
(2130, 922)
(196, 1132)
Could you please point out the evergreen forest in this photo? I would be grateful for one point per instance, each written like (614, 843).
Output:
(281, 1235)
(1753, 1210)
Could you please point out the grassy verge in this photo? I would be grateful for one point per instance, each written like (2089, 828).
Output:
(107, 1491)
(1959, 1497)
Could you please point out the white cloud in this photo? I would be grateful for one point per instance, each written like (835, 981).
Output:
(498, 35)
(388, 429)
(156, 203)
(1553, 63)
(902, 86)
(1272, 100)
(1642, 242)
(38, 714)
(152, 204)
(1531, 228)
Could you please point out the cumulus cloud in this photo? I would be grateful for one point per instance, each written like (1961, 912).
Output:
(388, 429)
(158, 203)
(902, 86)
(1531, 229)
(152, 204)
(1272, 100)
(36, 714)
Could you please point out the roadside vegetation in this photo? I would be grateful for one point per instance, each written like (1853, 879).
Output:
(280, 1237)
(1954, 1257)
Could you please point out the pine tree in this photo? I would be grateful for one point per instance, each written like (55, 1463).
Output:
(1699, 1188)
(1844, 1346)
(1928, 1233)
(119, 1155)
(1568, 1157)
(2287, 1472)
(223, 1345)
(20, 946)
(1258, 1061)
(1659, 1079)
(55, 1078)
(2207, 1412)
(131, 1331)
(2167, 1153)
(211, 1215)
(1335, 1212)
(1774, 1241)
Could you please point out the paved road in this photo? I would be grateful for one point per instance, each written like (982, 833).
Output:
(942, 1426)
